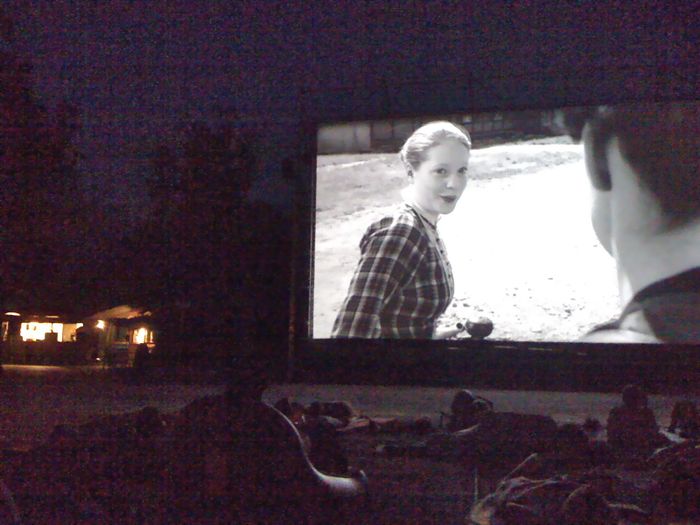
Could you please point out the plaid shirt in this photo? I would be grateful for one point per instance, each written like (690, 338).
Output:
(401, 284)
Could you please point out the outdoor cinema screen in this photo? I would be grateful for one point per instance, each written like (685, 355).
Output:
(520, 244)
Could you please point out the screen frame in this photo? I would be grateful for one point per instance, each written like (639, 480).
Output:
(529, 365)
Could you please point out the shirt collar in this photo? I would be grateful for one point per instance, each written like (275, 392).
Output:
(688, 281)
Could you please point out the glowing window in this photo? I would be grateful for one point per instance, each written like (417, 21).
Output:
(35, 331)
(141, 335)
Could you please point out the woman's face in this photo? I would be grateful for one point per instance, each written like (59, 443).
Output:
(441, 178)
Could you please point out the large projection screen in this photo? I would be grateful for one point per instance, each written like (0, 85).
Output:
(520, 241)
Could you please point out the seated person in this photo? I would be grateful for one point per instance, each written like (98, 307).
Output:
(467, 410)
(242, 460)
(685, 421)
(632, 429)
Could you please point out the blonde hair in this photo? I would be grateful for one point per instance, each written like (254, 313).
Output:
(412, 153)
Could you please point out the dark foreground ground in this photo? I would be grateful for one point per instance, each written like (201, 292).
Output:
(37, 398)
(405, 489)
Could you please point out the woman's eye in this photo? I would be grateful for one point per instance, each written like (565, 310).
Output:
(441, 171)
(463, 171)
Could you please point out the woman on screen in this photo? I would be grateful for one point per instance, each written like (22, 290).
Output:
(403, 282)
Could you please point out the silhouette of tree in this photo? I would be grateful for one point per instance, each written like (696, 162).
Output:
(39, 197)
(216, 263)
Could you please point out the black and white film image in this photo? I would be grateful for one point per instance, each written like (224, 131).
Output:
(520, 240)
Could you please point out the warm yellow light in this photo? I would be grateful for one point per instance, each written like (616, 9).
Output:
(14, 314)
(100, 324)
(78, 325)
(35, 331)
(140, 335)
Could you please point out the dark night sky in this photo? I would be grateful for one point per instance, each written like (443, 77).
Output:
(138, 74)
(140, 70)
